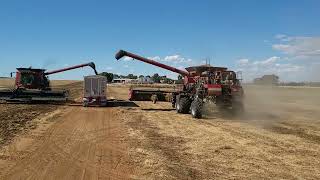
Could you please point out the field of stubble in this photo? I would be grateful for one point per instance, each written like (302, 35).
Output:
(277, 138)
(18, 118)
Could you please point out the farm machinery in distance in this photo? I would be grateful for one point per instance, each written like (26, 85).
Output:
(202, 84)
(32, 85)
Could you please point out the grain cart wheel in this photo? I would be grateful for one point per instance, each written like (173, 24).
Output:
(183, 105)
(196, 108)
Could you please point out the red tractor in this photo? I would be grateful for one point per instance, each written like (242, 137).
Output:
(32, 85)
(202, 84)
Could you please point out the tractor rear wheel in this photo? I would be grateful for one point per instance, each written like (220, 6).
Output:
(183, 105)
(196, 108)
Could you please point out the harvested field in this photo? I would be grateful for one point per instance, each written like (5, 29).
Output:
(277, 138)
(6, 83)
(17, 118)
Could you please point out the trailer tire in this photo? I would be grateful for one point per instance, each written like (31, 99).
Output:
(196, 109)
(183, 105)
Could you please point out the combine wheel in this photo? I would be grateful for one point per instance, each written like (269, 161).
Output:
(85, 104)
(183, 105)
(196, 109)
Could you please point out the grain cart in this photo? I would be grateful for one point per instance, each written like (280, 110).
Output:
(33, 85)
(202, 84)
(94, 91)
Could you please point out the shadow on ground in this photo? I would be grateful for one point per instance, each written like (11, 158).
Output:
(157, 109)
(112, 103)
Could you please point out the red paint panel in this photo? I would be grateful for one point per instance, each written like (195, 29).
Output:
(214, 89)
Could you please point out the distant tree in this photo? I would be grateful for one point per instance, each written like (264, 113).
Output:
(116, 76)
(109, 76)
(131, 76)
(156, 78)
(141, 76)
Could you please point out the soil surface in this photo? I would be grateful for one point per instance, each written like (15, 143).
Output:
(18, 118)
(82, 143)
(278, 137)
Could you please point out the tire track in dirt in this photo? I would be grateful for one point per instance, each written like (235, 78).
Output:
(85, 143)
(17, 118)
(169, 149)
(286, 128)
(221, 147)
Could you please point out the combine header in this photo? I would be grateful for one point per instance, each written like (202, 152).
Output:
(202, 84)
(32, 85)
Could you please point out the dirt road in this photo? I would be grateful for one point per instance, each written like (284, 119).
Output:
(83, 143)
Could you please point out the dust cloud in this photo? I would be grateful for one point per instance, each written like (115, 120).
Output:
(263, 105)
(272, 106)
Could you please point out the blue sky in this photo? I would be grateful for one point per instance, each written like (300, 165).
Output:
(257, 37)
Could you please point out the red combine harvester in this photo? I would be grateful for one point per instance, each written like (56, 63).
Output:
(202, 84)
(33, 85)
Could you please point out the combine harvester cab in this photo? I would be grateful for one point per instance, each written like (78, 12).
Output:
(202, 84)
(94, 92)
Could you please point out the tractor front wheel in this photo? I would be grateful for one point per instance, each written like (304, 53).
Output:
(196, 108)
(183, 105)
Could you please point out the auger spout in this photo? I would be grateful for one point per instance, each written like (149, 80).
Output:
(123, 53)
